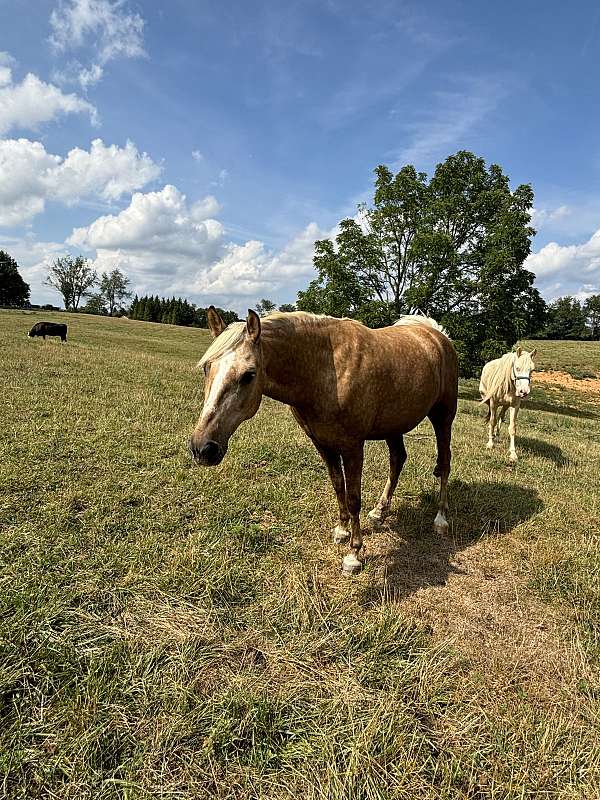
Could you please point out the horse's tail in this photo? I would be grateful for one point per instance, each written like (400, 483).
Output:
(416, 317)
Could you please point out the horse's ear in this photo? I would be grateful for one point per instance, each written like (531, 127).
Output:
(519, 351)
(253, 325)
(533, 352)
(215, 323)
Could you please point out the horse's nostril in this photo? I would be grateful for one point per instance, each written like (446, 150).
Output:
(209, 451)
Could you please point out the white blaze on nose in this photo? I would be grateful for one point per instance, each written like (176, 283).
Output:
(224, 365)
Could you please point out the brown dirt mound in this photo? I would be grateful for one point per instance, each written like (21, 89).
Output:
(588, 385)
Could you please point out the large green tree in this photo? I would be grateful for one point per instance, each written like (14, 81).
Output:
(114, 289)
(73, 278)
(452, 246)
(13, 289)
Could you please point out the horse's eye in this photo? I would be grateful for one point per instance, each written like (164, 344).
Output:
(247, 377)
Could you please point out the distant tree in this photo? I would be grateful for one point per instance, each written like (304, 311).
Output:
(264, 307)
(13, 289)
(72, 277)
(95, 305)
(566, 319)
(591, 310)
(287, 307)
(113, 288)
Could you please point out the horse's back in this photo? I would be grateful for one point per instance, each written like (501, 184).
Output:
(422, 344)
(416, 369)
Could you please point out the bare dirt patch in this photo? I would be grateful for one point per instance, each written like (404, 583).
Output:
(587, 385)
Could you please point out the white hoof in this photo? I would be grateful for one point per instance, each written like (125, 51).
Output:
(351, 565)
(340, 535)
(376, 517)
(512, 458)
(490, 445)
(440, 525)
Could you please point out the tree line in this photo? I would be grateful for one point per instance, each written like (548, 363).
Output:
(173, 311)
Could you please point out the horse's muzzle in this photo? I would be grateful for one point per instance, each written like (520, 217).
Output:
(206, 454)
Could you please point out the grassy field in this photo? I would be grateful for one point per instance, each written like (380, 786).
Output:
(173, 632)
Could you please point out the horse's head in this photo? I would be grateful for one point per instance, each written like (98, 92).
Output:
(233, 385)
(523, 366)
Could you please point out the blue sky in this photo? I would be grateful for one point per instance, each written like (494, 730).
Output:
(203, 147)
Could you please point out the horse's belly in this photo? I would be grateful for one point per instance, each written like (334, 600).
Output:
(395, 424)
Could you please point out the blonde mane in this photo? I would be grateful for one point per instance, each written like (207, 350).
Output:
(498, 376)
(280, 321)
(276, 322)
(417, 318)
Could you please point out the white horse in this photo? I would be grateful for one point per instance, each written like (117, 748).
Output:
(505, 383)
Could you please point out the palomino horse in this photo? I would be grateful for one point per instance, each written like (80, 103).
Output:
(505, 382)
(345, 383)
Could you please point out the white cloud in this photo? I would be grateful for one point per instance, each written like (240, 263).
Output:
(169, 246)
(541, 217)
(88, 77)
(221, 179)
(5, 75)
(32, 102)
(156, 222)
(452, 121)
(29, 176)
(103, 26)
(197, 155)
(252, 269)
(567, 269)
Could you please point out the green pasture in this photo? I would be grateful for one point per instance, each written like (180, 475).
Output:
(174, 632)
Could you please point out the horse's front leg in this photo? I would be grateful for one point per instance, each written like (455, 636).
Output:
(512, 429)
(333, 461)
(353, 464)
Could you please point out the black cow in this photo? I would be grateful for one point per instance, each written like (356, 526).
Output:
(49, 329)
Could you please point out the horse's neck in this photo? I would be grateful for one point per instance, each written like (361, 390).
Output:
(293, 366)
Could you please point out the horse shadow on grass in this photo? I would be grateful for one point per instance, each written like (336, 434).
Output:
(413, 557)
(537, 447)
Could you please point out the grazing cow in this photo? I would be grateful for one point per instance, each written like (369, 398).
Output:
(49, 329)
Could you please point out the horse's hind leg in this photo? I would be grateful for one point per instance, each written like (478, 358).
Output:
(491, 424)
(441, 418)
(397, 460)
(500, 420)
